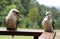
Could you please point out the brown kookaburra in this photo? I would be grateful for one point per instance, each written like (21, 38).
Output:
(11, 20)
(47, 22)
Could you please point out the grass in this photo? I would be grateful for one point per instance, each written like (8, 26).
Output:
(16, 37)
(57, 34)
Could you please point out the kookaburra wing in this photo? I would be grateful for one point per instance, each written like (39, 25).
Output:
(47, 23)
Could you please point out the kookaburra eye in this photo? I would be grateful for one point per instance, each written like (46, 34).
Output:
(17, 12)
(47, 14)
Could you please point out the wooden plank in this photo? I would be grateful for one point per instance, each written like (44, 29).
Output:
(18, 32)
(36, 37)
(47, 35)
(23, 32)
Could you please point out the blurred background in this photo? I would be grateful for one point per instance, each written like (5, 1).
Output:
(33, 12)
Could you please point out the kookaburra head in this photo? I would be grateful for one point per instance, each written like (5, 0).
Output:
(49, 15)
(15, 12)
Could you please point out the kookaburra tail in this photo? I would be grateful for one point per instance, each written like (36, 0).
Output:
(11, 20)
(47, 22)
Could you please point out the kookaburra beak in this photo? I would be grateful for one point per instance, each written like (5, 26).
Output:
(20, 16)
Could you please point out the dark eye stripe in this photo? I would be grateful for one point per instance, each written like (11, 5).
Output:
(15, 12)
(47, 14)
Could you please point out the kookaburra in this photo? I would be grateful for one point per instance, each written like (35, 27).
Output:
(47, 22)
(11, 20)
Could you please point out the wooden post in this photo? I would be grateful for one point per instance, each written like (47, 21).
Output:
(36, 37)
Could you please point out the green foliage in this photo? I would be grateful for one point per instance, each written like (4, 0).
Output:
(8, 8)
(23, 22)
(34, 16)
(33, 13)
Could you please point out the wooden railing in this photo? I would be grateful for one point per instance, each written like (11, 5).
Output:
(38, 34)
(34, 33)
